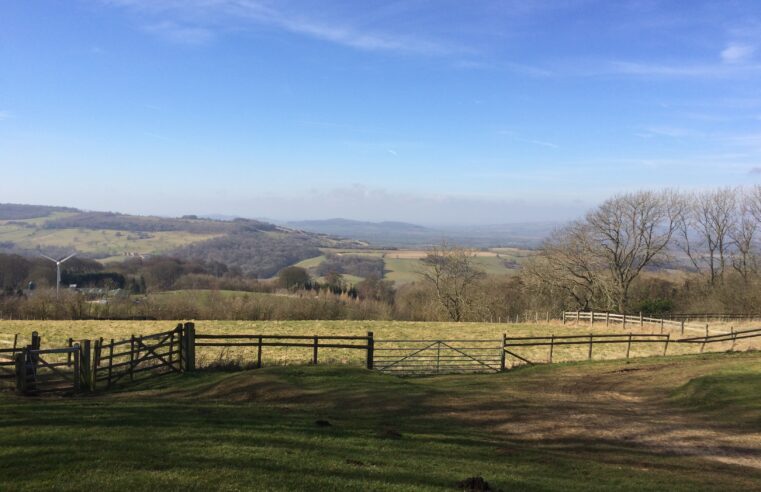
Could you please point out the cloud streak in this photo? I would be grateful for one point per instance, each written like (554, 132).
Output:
(195, 22)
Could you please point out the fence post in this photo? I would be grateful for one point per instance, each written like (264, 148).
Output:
(578, 316)
(314, 354)
(590, 346)
(682, 327)
(189, 350)
(624, 318)
(370, 349)
(552, 346)
(110, 362)
(259, 353)
(629, 345)
(77, 369)
(21, 371)
(734, 336)
(563, 317)
(666, 347)
(502, 352)
(607, 319)
(85, 364)
(661, 326)
(641, 324)
(706, 330)
(592, 317)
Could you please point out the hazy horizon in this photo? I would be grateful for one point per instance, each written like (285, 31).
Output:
(430, 113)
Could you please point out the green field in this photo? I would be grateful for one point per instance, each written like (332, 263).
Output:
(677, 423)
(100, 242)
(403, 265)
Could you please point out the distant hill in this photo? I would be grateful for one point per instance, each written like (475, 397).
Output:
(393, 234)
(256, 247)
(402, 234)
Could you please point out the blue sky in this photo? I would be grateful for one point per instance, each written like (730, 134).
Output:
(426, 111)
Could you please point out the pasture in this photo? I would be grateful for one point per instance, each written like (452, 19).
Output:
(678, 423)
(101, 242)
(403, 265)
(56, 333)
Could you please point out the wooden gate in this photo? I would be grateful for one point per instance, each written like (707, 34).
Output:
(137, 357)
(49, 370)
(428, 357)
(8, 352)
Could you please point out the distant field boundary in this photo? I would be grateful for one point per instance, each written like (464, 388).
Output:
(610, 318)
(88, 365)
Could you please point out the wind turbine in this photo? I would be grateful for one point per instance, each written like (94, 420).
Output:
(58, 269)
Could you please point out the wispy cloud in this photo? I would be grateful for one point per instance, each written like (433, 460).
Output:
(518, 138)
(737, 53)
(176, 33)
(195, 22)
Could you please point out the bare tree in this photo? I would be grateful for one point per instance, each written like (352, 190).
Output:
(743, 236)
(705, 230)
(453, 274)
(631, 232)
(566, 264)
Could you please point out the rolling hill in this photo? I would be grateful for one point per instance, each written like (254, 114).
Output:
(257, 248)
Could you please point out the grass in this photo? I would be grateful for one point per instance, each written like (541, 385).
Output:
(402, 266)
(55, 333)
(102, 242)
(564, 427)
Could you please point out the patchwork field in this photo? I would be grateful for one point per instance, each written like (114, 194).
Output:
(677, 423)
(403, 265)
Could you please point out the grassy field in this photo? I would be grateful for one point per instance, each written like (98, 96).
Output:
(102, 242)
(676, 423)
(55, 333)
(402, 266)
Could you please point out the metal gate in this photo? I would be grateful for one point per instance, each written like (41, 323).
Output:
(429, 357)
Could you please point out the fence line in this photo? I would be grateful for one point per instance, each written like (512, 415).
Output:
(305, 341)
(640, 320)
(83, 365)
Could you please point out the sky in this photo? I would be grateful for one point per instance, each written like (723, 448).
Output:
(427, 111)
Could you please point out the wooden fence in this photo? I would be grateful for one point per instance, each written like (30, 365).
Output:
(258, 342)
(732, 336)
(513, 345)
(82, 365)
(592, 317)
(8, 349)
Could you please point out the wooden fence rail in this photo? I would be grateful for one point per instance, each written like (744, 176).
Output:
(590, 340)
(592, 317)
(315, 342)
(8, 349)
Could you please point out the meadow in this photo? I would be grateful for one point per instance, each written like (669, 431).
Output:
(403, 265)
(56, 333)
(677, 423)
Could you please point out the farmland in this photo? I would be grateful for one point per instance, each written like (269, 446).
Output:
(676, 423)
(403, 265)
(56, 333)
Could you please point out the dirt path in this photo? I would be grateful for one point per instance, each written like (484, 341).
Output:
(601, 408)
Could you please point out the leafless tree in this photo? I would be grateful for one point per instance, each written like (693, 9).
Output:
(705, 230)
(631, 232)
(453, 274)
(566, 264)
(743, 236)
